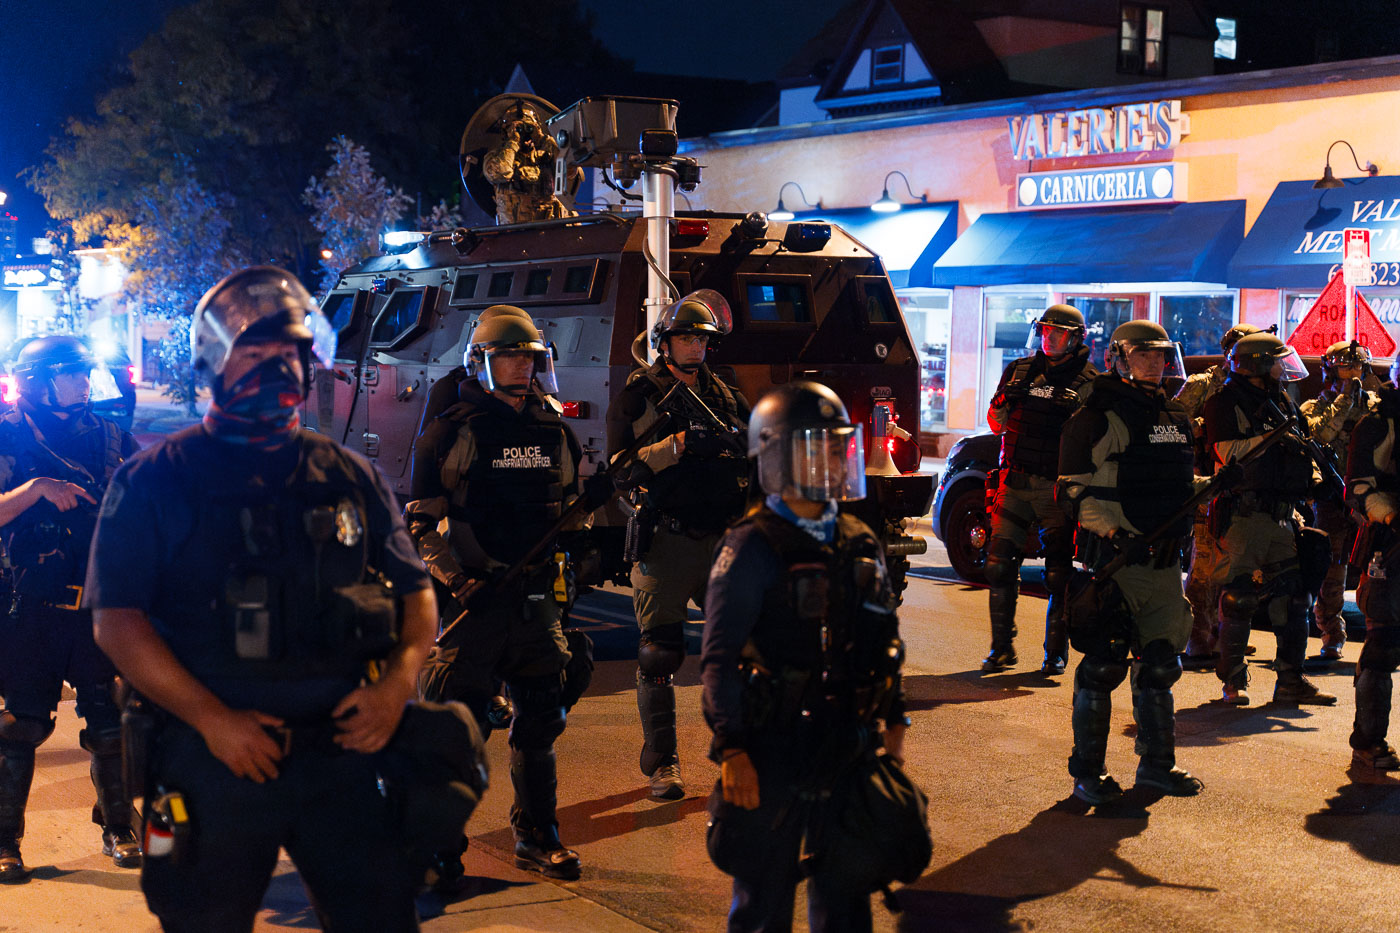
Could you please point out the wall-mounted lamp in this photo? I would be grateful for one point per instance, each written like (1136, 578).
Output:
(1328, 180)
(887, 204)
(782, 213)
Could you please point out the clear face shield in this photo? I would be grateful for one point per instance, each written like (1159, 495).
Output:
(819, 464)
(101, 384)
(1288, 367)
(1151, 362)
(1051, 339)
(510, 369)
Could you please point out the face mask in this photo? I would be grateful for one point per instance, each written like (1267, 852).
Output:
(261, 408)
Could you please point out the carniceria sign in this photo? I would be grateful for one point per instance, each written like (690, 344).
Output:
(1120, 184)
(1060, 134)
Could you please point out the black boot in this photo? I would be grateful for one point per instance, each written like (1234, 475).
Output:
(1002, 609)
(1057, 574)
(1154, 710)
(1369, 746)
(1292, 688)
(656, 705)
(537, 845)
(1090, 723)
(113, 810)
(1236, 614)
(16, 776)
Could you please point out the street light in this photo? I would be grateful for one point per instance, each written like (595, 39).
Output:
(782, 213)
(887, 204)
(1328, 180)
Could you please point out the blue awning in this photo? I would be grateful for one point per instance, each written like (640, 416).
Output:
(1298, 237)
(907, 242)
(1182, 243)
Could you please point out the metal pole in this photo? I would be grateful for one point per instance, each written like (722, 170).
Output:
(658, 208)
(1350, 313)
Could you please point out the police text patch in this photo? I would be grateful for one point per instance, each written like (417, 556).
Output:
(522, 458)
(1167, 434)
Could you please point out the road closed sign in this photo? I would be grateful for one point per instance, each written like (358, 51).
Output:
(1326, 324)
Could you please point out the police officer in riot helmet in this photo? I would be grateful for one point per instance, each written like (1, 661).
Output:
(1255, 525)
(56, 459)
(1126, 465)
(1033, 400)
(687, 484)
(499, 467)
(255, 583)
(801, 666)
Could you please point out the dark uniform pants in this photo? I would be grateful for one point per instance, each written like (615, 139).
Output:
(46, 646)
(674, 572)
(324, 808)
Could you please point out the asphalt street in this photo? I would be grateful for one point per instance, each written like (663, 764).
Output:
(1285, 836)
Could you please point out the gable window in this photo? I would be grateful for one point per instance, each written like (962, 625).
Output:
(1142, 40)
(887, 65)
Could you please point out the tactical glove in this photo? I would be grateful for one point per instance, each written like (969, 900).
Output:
(598, 490)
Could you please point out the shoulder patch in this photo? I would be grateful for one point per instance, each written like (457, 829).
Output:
(112, 500)
(723, 561)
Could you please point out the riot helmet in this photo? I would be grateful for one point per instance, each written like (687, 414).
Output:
(43, 359)
(805, 443)
(1232, 335)
(258, 304)
(1057, 318)
(1144, 337)
(1345, 354)
(703, 313)
(1265, 355)
(502, 331)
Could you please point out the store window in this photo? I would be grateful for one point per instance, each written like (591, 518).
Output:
(1142, 40)
(1102, 315)
(1197, 322)
(1008, 325)
(929, 315)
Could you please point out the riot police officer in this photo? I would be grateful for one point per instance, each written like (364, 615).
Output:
(1201, 593)
(689, 483)
(1034, 399)
(1255, 526)
(56, 459)
(245, 575)
(800, 665)
(499, 466)
(1373, 487)
(1345, 399)
(1126, 463)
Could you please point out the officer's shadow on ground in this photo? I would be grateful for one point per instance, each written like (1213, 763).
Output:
(607, 817)
(928, 691)
(112, 880)
(1215, 723)
(1057, 851)
(1364, 814)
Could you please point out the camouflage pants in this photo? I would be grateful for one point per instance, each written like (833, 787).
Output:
(1327, 611)
(1202, 591)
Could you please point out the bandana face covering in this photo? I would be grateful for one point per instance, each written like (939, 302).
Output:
(261, 409)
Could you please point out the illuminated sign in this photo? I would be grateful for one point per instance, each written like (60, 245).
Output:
(1122, 184)
(1060, 134)
(26, 278)
(1384, 240)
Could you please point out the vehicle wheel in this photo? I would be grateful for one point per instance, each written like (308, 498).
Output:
(967, 531)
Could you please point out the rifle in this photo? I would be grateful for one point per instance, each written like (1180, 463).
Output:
(1331, 480)
(575, 509)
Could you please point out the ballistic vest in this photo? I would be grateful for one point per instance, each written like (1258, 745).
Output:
(1283, 472)
(1039, 409)
(1155, 470)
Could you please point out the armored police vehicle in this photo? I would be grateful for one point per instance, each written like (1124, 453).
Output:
(808, 301)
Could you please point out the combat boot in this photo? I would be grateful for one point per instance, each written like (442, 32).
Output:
(1297, 690)
(1378, 757)
(1154, 708)
(1173, 781)
(656, 705)
(121, 845)
(1002, 606)
(537, 845)
(16, 775)
(12, 867)
(542, 851)
(1097, 790)
(113, 810)
(1090, 723)
(1372, 720)
(1056, 644)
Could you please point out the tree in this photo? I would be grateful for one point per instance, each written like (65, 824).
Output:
(351, 207)
(73, 308)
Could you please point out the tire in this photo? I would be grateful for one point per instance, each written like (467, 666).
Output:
(966, 531)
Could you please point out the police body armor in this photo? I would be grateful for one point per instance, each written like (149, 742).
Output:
(702, 494)
(301, 597)
(516, 482)
(827, 645)
(1281, 477)
(48, 548)
(1155, 470)
(1041, 396)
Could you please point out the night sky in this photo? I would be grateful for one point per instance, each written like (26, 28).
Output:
(60, 54)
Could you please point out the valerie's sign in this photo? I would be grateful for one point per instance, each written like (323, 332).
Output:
(1121, 184)
(1059, 134)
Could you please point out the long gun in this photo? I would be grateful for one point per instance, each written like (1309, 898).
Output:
(1331, 479)
(575, 509)
(1189, 506)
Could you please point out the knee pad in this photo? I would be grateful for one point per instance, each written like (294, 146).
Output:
(661, 652)
(102, 743)
(1057, 545)
(1239, 599)
(1057, 576)
(1158, 666)
(534, 730)
(1003, 567)
(1100, 673)
(24, 731)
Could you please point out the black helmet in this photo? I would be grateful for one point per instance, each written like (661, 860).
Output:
(1241, 330)
(43, 358)
(260, 303)
(1133, 336)
(797, 431)
(508, 329)
(703, 312)
(1344, 353)
(1259, 354)
(1060, 317)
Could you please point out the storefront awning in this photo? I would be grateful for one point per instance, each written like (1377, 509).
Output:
(1297, 239)
(1182, 243)
(907, 242)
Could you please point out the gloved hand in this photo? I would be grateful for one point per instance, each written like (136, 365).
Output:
(1134, 547)
(1231, 475)
(471, 589)
(598, 490)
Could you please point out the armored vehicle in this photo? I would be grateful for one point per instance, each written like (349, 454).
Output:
(809, 302)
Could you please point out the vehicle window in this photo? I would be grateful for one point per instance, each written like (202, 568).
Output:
(337, 309)
(464, 288)
(538, 282)
(500, 284)
(780, 302)
(400, 314)
(878, 301)
(578, 279)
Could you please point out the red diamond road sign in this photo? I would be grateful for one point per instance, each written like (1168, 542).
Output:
(1325, 324)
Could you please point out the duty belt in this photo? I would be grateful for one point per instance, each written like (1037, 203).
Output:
(317, 737)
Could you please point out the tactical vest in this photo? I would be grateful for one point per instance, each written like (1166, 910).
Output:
(1283, 472)
(300, 597)
(1030, 442)
(1155, 470)
(514, 487)
(828, 633)
(702, 493)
